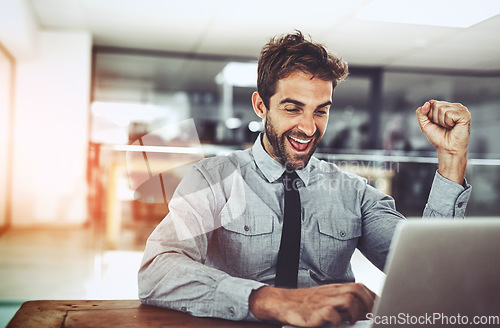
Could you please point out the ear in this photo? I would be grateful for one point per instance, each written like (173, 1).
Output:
(258, 105)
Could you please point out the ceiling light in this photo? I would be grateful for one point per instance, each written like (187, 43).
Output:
(448, 13)
(238, 74)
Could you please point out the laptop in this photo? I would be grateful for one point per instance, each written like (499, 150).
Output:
(440, 273)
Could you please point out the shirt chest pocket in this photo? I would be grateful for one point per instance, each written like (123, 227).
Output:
(338, 239)
(247, 244)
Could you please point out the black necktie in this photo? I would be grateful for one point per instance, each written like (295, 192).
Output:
(288, 256)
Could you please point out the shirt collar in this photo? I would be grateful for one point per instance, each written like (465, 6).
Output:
(271, 168)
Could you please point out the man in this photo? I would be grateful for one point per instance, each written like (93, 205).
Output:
(216, 252)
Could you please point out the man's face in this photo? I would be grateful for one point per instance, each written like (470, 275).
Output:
(296, 119)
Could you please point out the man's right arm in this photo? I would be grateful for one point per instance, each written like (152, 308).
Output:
(173, 273)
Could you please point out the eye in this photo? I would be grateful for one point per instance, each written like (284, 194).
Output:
(292, 110)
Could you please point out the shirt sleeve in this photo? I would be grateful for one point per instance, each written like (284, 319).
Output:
(173, 273)
(447, 199)
(380, 219)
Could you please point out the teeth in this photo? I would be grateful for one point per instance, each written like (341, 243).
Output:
(300, 140)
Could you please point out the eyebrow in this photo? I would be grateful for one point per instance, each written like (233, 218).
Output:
(301, 104)
(292, 101)
(328, 103)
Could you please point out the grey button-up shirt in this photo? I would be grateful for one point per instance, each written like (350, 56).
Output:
(221, 237)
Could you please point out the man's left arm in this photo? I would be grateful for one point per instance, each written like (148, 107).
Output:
(447, 127)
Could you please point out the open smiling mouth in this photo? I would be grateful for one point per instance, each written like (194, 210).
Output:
(299, 145)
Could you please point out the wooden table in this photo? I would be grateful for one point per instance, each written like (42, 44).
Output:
(127, 313)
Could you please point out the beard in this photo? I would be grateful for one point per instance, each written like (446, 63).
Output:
(285, 156)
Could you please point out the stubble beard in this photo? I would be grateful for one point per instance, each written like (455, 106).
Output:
(290, 161)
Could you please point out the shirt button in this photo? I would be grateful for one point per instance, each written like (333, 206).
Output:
(247, 228)
(231, 311)
(342, 233)
(460, 204)
(183, 309)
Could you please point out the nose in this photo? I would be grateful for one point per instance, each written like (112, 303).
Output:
(307, 125)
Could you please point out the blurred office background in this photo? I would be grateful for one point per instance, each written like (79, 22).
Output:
(104, 104)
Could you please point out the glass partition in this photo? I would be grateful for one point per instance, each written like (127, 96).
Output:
(372, 130)
(404, 91)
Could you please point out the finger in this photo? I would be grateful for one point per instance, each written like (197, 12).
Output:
(356, 298)
(448, 115)
(352, 309)
(434, 113)
(372, 294)
(459, 114)
(348, 307)
(345, 315)
(366, 296)
(448, 119)
(443, 111)
(334, 317)
(426, 107)
(422, 113)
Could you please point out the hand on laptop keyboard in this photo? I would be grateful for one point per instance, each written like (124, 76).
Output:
(313, 307)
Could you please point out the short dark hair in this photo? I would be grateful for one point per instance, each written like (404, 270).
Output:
(282, 56)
